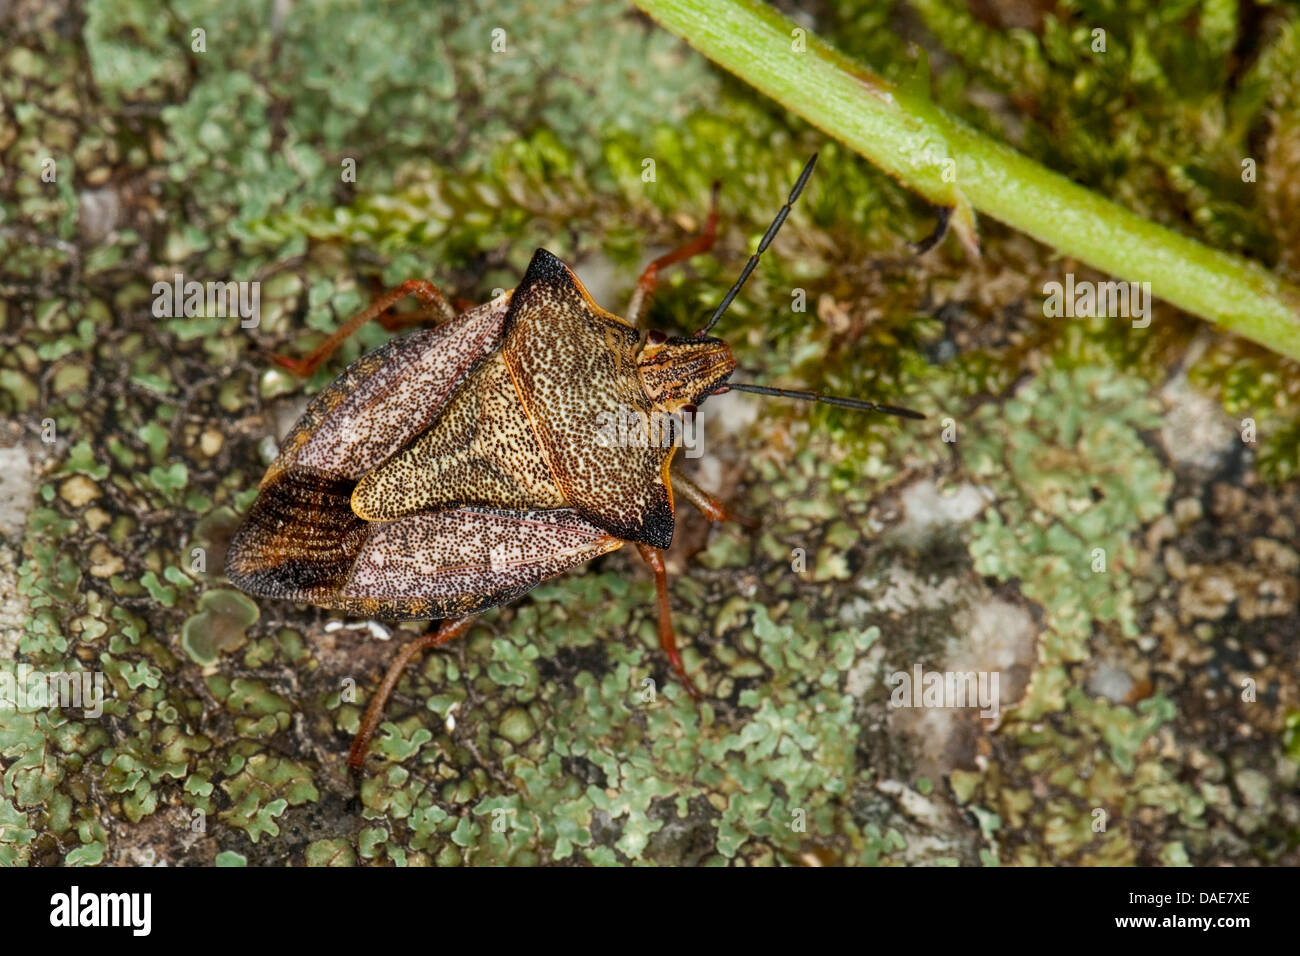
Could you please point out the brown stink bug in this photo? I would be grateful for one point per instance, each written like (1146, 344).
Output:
(455, 468)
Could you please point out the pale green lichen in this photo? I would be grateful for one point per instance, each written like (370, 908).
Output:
(553, 732)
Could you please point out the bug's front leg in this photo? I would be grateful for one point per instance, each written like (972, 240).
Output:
(422, 289)
(449, 631)
(645, 286)
(667, 638)
(710, 507)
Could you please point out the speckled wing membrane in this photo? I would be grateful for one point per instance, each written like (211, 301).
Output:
(573, 364)
(386, 398)
(465, 560)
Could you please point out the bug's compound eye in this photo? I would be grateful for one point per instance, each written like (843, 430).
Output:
(688, 411)
(655, 337)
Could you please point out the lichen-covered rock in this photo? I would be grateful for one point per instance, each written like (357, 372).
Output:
(1077, 515)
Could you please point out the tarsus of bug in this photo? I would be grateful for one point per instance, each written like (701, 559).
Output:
(772, 230)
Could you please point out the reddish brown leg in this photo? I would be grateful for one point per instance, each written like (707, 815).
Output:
(392, 321)
(711, 507)
(422, 289)
(449, 631)
(645, 286)
(667, 639)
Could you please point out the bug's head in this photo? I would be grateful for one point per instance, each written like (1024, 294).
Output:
(676, 372)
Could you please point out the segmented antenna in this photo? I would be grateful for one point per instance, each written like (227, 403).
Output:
(857, 403)
(772, 230)
(766, 241)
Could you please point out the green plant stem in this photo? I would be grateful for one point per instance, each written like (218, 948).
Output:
(902, 131)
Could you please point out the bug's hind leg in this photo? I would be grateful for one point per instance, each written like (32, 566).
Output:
(645, 286)
(422, 289)
(448, 631)
(711, 507)
(667, 638)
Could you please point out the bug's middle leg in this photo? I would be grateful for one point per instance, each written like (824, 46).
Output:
(422, 289)
(645, 286)
(667, 637)
(449, 631)
(711, 507)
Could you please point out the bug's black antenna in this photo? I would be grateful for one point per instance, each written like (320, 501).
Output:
(857, 403)
(772, 230)
(763, 243)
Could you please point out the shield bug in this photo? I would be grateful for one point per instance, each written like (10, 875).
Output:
(455, 468)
